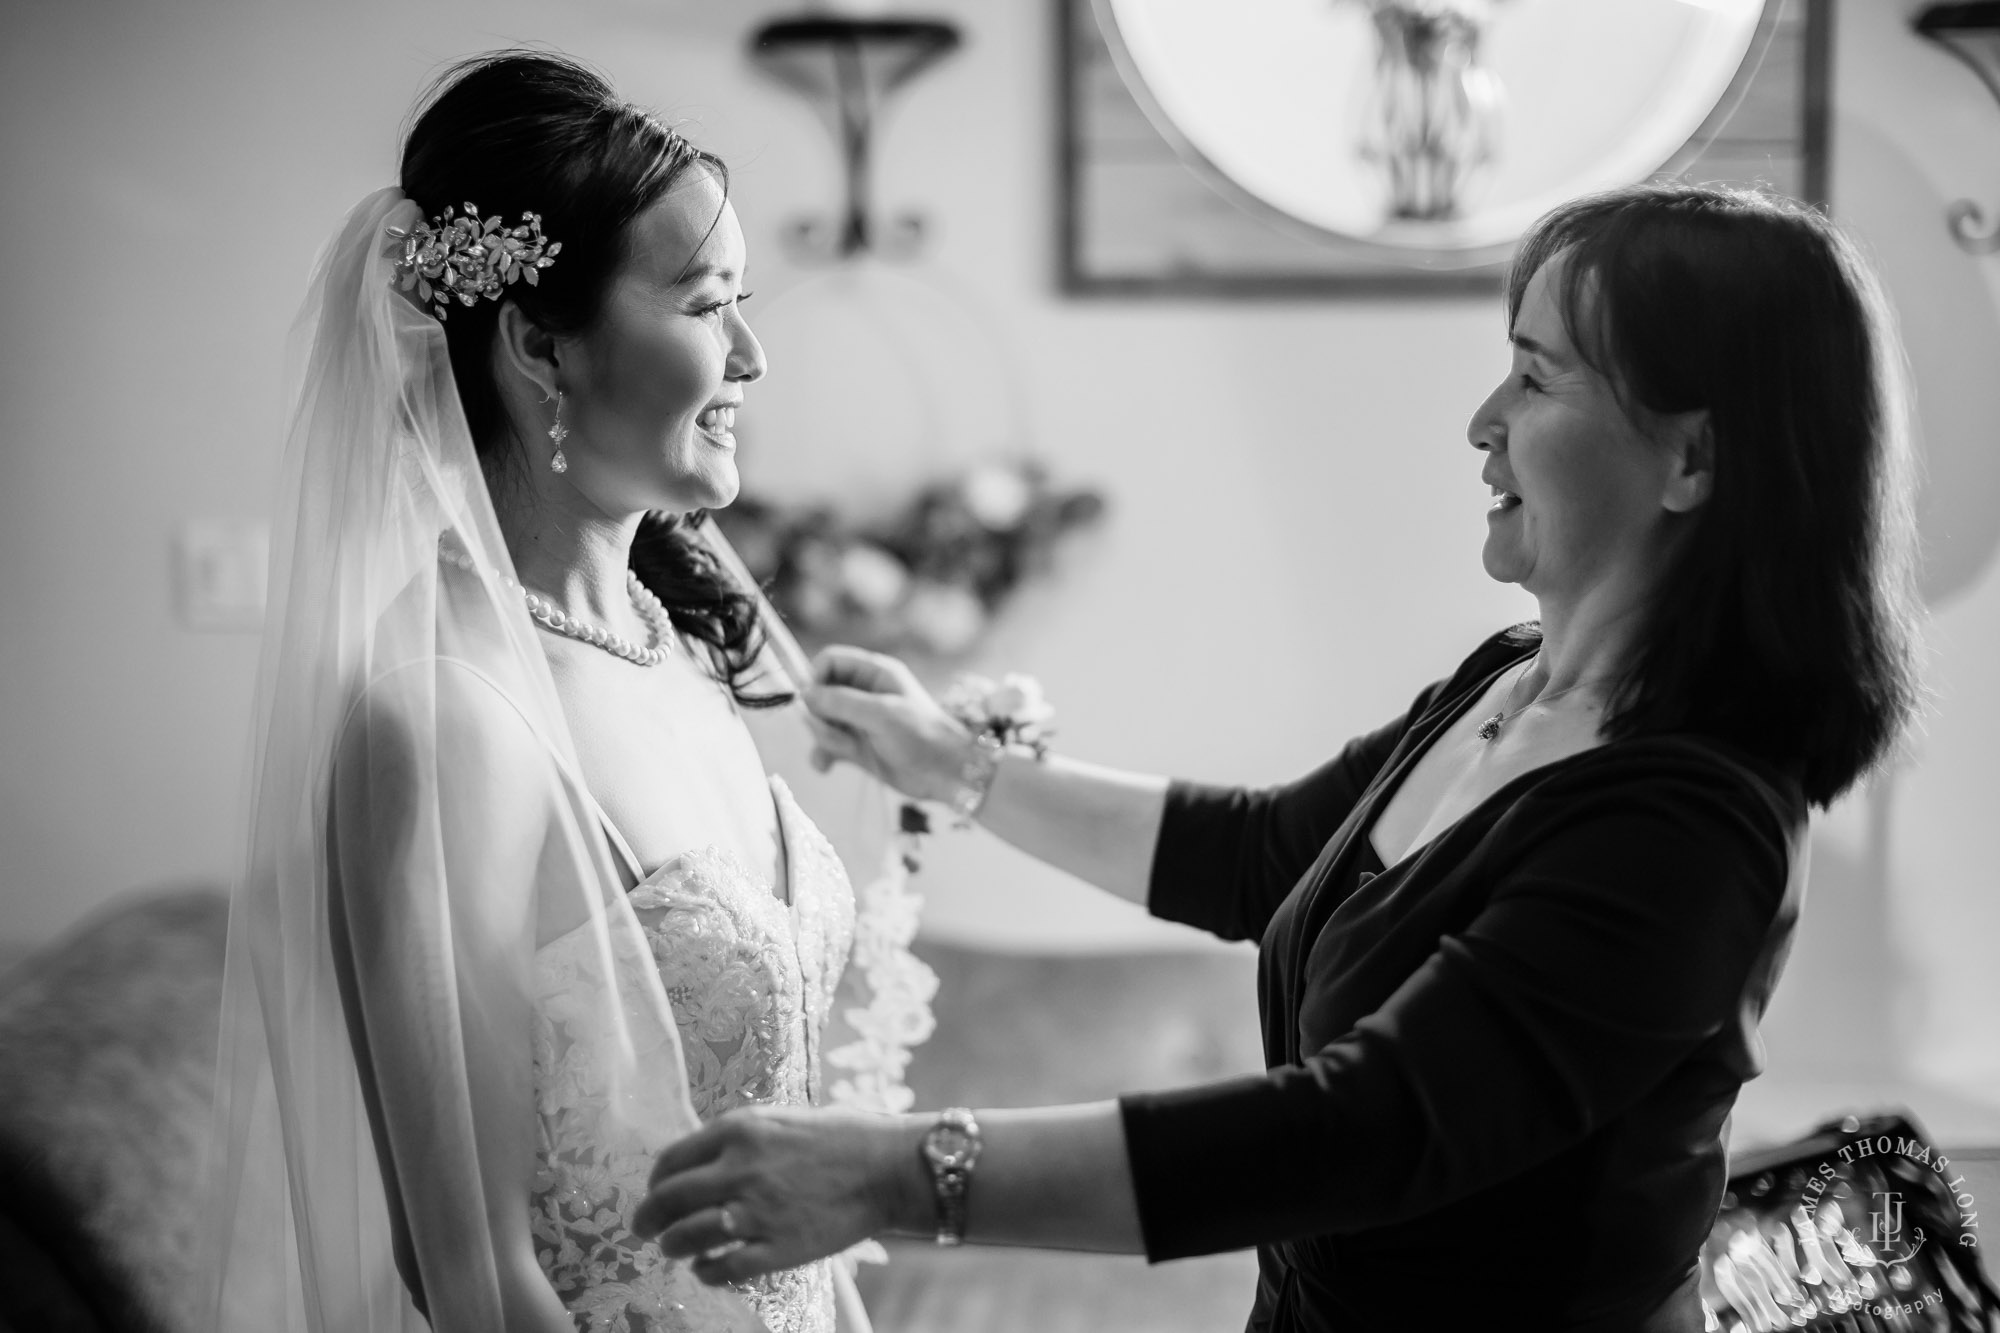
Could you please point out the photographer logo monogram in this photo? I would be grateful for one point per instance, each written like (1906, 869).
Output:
(1893, 1240)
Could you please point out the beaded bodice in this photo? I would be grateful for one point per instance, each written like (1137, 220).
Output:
(751, 980)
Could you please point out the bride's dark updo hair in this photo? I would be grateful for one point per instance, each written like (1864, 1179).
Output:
(518, 132)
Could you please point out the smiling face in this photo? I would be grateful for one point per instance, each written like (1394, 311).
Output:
(1583, 497)
(650, 388)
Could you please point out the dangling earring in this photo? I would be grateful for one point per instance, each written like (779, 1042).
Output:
(558, 432)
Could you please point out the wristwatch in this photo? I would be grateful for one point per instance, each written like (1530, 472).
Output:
(949, 1149)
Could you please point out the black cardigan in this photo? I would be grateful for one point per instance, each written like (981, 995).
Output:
(1500, 1071)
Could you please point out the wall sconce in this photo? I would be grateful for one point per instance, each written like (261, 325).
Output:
(849, 68)
(1972, 33)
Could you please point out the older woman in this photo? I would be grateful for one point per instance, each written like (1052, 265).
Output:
(1515, 943)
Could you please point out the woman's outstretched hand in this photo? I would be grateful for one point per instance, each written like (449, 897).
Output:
(871, 711)
(767, 1188)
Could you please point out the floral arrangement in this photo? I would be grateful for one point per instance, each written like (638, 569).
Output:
(926, 579)
(1435, 111)
(1475, 11)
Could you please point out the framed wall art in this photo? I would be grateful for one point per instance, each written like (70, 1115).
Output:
(1303, 148)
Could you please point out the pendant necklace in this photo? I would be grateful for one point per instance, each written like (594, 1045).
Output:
(1489, 730)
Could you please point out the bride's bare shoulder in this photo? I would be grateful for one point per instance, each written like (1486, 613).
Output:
(443, 731)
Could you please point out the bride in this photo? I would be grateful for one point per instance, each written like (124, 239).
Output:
(523, 905)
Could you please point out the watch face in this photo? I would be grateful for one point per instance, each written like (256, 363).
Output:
(947, 1145)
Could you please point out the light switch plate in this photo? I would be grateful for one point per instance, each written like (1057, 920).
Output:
(221, 573)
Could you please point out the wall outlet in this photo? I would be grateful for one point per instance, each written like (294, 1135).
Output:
(221, 573)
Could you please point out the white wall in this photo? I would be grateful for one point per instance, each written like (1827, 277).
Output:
(1916, 131)
(1293, 549)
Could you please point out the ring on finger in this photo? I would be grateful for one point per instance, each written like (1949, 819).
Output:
(726, 1223)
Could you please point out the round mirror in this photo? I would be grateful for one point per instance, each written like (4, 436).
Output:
(1431, 130)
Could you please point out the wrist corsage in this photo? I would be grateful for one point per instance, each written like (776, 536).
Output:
(1013, 712)
(1009, 715)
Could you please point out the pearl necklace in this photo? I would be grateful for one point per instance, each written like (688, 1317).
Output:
(552, 617)
(1489, 730)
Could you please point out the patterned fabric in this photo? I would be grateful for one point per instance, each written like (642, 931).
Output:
(751, 981)
(896, 1014)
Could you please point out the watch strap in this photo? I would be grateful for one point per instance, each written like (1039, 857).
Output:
(951, 1183)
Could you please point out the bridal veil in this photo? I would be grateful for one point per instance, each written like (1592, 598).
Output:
(419, 837)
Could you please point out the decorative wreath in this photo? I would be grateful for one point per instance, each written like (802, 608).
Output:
(927, 578)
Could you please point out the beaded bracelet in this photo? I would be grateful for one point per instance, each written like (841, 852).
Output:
(999, 716)
(975, 780)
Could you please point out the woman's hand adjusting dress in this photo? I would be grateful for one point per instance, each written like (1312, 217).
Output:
(829, 1177)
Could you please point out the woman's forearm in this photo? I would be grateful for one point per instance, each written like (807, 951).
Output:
(1099, 824)
(1055, 1176)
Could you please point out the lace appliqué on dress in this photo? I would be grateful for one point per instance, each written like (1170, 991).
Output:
(591, 1164)
(882, 1009)
(750, 982)
(896, 1015)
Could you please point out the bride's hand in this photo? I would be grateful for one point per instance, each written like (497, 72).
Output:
(869, 710)
(766, 1188)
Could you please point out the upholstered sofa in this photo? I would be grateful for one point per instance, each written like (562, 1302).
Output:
(107, 1053)
(107, 1057)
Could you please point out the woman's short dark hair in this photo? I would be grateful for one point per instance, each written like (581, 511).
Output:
(519, 131)
(1786, 621)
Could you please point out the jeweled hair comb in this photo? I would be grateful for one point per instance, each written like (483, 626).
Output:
(457, 255)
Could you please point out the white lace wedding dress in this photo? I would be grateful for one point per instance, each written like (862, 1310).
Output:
(751, 979)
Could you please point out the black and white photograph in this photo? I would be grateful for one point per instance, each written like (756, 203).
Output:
(1000, 666)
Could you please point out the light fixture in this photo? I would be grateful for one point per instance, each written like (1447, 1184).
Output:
(1972, 33)
(849, 67)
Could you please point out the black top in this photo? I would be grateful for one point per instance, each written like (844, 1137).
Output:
(1500, 1070)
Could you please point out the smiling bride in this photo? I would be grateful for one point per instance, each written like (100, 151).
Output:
(524, 904)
